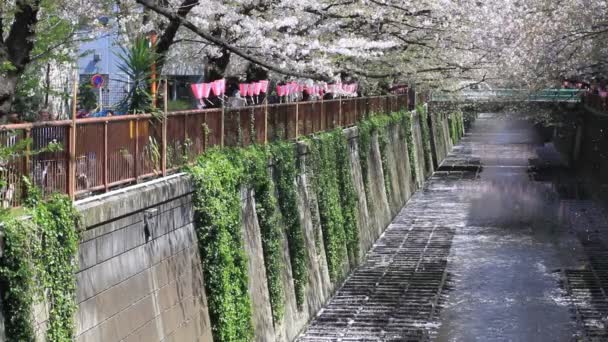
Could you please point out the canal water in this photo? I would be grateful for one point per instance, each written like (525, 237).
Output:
(507, 260)
(499, 245)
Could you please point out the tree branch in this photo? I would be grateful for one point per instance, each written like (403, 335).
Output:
(168, 36)
(20, 40)
(222, 43)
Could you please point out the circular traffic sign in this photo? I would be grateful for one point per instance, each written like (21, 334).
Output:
(97, 81)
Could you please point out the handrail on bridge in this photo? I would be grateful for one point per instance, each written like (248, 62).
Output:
(545, 95)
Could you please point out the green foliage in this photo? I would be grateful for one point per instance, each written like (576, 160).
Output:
(405, 119)
(255, 160)
(454, 131)
(378, 124)
(86, 96)
(136, 62)
(348, 195)
(38, 265)
(286, 171)
(337, 199)
(177, 105)
(426, 136)
(17, 271)
(57, 221)
(325, 178)
(218, 179)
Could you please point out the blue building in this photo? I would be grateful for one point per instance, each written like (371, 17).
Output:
(100, 56)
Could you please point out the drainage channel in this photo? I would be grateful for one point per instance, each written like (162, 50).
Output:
(395, 295)
(588, 287)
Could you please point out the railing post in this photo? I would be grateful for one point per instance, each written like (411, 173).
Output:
(26, 167)
(72, 142)
(186, 152)
(297, 121)
(136, 158)
(222, 125)
(266, 120)
(323, 118)
(340, 112)
(163, 138)
(105, 156)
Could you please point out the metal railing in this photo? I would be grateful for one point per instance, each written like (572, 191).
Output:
(546, 95)
(103, 153)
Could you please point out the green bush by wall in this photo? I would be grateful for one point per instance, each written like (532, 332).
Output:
(456, 126)
(217, 203)
(256, 160)
(38, 266)
(426, 136)
(336, 198)
(284, 155)
(405, 133)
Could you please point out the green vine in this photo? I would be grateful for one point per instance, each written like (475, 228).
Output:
(217, 202)
(325, 178)
(456, 126)
(17, 272)
(348, 195)
(378, 124)
(256, 160)
(38, 266)
(365, 141)
(426, 136)
(405, 119)
(286, 171)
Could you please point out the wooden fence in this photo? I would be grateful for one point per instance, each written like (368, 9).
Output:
(99, 154)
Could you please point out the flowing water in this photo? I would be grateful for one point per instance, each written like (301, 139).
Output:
(494, 248)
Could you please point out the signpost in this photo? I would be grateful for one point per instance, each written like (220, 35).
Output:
(97, 81)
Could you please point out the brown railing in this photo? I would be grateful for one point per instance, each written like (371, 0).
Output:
(112, 151)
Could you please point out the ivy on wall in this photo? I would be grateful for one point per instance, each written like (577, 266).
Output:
(337, 199)
(256, 160)
(380, 125)
(38, 266)
(405, 119)
(426, 136)
(220, 174)
(217, 202)
(456, 126)
(348, 195)
(284, 155)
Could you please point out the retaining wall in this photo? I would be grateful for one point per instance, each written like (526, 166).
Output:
(140, 277)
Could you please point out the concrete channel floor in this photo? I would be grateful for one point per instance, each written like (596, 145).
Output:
(489, 250)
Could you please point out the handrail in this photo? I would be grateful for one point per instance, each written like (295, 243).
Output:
(123, 149)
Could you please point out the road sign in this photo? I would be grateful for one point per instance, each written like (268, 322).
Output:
(97, 81)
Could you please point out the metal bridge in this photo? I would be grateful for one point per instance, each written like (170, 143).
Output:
(509, 95)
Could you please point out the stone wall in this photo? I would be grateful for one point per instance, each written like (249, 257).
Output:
(140, 277)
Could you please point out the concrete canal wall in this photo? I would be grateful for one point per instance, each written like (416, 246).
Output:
(140, 276)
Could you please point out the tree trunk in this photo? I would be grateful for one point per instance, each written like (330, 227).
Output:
(8, 84)
(216, 66)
